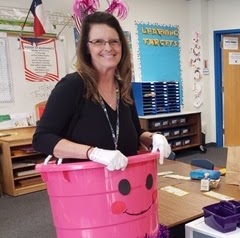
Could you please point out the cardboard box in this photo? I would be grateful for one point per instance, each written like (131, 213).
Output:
(233, 165)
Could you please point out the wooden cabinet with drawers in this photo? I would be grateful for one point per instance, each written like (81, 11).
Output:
(182, 130)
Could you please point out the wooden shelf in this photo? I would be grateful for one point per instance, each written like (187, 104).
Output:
(18, 161)
(29, 188)
(22, 165)
(19, 153)
(30, 175)
(182, 130)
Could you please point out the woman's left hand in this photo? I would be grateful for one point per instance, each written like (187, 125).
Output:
(160, 143)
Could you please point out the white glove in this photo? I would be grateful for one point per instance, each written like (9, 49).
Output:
(114, 159)
(160, 143)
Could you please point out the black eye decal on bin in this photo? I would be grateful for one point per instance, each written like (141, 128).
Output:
(124, 187)
(149, 181)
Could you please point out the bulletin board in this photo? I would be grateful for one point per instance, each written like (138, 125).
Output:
(159, 53)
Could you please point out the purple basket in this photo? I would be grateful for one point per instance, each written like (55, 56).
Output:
(223, 216)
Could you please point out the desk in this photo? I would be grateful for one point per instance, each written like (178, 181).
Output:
(175, 210)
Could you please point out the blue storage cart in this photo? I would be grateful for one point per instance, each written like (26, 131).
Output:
(156, 97)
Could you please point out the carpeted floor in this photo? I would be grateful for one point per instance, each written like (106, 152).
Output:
(26, 216)
(29, 216)
(217, 155)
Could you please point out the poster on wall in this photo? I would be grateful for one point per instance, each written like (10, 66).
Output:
(230, 43)
(40, 59)
(159, 52)
(196, 65)
(42, 66)
(234, 58)
(6, 89)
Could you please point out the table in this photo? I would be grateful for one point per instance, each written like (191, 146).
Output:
(175, 210)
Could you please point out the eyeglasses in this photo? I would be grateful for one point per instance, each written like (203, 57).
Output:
(102, 43)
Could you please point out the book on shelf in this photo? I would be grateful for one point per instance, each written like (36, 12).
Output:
(30, 181)
(16, 120)
(29, 149)
(22, 165)
(26, 172)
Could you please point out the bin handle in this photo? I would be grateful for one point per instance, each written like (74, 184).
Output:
(49, 157)
(229, 205)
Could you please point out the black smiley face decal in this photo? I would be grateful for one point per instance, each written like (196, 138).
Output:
(124, 187)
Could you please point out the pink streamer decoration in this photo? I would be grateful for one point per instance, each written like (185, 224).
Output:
(82, 8)
(119, 7)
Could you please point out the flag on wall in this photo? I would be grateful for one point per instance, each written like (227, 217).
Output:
(78, 23)
(40, 18)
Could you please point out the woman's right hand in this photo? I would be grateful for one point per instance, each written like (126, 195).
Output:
(160, 143)
(113, 159)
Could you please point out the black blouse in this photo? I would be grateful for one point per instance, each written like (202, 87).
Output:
(69, 115)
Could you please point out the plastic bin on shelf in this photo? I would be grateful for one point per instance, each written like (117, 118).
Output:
(223, 216)
(88, 201)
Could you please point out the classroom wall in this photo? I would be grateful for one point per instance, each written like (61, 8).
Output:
(203, 16)
(26, 94)
(170, 13)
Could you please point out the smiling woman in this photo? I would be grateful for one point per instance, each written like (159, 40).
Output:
(91, 115)
(106, 52)
(102, 89)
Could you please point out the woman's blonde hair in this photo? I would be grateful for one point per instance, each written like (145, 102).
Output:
(84, 64)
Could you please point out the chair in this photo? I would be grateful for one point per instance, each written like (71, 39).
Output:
(39, 108)
(203, 163)
(172, 156)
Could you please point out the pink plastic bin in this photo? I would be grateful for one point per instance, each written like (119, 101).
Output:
(88, 201)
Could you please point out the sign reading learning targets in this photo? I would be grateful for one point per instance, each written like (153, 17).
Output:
(159, 52)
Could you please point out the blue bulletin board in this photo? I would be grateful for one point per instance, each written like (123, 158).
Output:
(159, 52)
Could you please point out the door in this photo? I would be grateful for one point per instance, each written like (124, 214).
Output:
(231, 92)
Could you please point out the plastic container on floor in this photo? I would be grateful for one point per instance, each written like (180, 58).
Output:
(88, 201)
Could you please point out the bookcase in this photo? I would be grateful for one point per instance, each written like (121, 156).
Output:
(182, 130)
(18, 161)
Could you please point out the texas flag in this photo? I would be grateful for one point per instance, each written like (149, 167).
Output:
(41, 23)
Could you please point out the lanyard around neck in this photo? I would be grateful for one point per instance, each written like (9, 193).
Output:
(114, 135)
